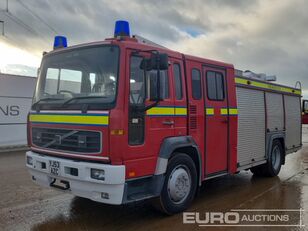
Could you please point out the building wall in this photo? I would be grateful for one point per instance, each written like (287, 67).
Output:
(15, 100)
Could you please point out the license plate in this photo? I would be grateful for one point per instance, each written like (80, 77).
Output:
(54, 167)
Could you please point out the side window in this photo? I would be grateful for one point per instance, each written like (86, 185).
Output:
(211, 85)
(164, 84)
(196, 83)
(137, 81)
(177, 81)
(137, 94)
(215, 85)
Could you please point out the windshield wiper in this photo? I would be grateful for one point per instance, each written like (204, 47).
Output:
(45, 99)
(80, 97)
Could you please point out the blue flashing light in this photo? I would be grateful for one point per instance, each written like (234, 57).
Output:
(121, 28)
(60, 41)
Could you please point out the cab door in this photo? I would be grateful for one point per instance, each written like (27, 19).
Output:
(216, 120)
(180, 101)
(146, 128)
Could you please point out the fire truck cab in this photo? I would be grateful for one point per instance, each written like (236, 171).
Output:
(123, 120)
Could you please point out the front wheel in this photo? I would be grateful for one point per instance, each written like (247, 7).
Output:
(180, 185)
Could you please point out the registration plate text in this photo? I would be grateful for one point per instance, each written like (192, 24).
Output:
(54, 167)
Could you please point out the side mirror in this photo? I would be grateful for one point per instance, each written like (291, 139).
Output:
(163, 61)
(156, 61)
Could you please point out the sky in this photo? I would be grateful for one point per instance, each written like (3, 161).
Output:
(259, 35)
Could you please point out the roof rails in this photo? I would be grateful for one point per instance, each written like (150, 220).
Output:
(141, 39)
(252, 75)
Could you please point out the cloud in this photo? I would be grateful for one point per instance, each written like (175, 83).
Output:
(259, 35)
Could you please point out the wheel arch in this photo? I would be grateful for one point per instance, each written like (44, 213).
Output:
(182, 144)
(280, 136)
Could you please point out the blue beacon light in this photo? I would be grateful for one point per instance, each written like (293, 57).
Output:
(59, 42)
(121, 28)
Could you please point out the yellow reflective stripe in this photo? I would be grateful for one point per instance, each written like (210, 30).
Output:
(240, 81)
(224, 111)
(180, 111)
(267, 86)
(161, 111)
(167, 111)
(233, 111)
(70, 119)
(228, 111)
(209, 111)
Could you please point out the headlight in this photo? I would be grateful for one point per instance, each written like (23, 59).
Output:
(29, 160)
(97, 174)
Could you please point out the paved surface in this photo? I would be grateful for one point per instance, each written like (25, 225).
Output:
(25, 206)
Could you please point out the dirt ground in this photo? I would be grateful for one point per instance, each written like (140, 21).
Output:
(25, 206)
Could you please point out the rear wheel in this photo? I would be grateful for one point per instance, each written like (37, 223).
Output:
(273, 165)
(180, 185)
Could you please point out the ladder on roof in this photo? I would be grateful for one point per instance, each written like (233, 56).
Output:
(141, 39)
(253, 75)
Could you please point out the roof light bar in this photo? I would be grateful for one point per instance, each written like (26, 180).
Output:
(59, 42)
(121, 28)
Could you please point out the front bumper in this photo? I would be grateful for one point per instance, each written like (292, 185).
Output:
(81, 184)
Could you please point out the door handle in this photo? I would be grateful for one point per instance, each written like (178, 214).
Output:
(168, 122)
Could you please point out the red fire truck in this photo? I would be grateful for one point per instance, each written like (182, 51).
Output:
(124, 119)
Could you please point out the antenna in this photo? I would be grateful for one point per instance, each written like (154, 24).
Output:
(141, 39)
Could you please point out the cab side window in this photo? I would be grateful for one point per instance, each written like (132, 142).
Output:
(137, 82)
(215, 86)
(137, 96)
(196, 84)
(177, 81)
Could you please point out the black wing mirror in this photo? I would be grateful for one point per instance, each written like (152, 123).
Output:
(156, 61)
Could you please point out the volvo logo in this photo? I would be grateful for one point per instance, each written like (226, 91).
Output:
(59, 138)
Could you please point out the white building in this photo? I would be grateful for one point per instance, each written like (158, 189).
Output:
(15, 100)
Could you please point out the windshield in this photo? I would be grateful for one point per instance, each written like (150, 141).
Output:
(74, 78)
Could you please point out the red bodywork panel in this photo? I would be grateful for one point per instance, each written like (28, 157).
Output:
(215, 134)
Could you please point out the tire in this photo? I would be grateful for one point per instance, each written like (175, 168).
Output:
(180, 185)
(274, 162)
(257, 171)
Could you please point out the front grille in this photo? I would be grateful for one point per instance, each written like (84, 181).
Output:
(67, 140)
